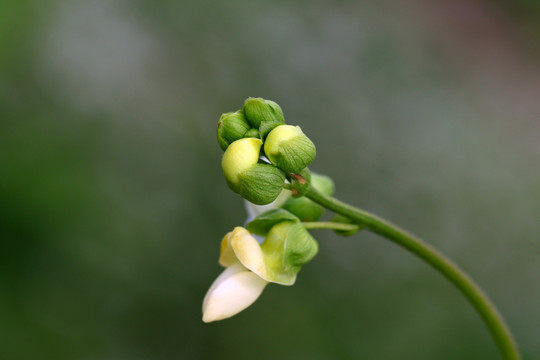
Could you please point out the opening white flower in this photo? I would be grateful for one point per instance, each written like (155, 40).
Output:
(249, 268)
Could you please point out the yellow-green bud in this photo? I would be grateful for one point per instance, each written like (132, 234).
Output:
(240, 156)
(323, 183)
(305, 209)
(258, 110)
(258, 183)
(289, 148)
(231, 127)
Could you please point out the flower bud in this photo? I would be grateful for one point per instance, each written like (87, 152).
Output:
(258, 110)
(304, 208)
(258, 183)
(231, 127)
(323, 183)
(238, 158)
(289, 148)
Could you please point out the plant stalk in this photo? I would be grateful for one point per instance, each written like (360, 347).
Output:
(479, 300)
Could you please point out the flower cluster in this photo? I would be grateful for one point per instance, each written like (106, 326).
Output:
(261, 151)
(261, 154)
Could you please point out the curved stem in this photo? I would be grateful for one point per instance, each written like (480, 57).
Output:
(491, 317)
(330, 225)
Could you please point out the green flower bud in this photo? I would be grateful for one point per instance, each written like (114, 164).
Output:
(304, 208)
(258, 183)
(289, 148)
(323, 183)
(258, 110)
(231, 127)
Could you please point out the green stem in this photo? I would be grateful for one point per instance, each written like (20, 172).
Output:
(330, 225)
(485, 308)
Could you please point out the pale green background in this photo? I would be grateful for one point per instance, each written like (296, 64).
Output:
(112, 201)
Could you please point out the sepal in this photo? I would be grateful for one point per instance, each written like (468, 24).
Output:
(261, 183)
(300, 247)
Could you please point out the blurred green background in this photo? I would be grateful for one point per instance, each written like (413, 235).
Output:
(112, 201)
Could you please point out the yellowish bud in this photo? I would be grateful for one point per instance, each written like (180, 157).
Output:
(239, 157)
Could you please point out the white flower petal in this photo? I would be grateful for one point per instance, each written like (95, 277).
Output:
(233, 291)
(255, 210)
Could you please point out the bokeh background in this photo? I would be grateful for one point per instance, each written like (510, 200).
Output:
(112, 201)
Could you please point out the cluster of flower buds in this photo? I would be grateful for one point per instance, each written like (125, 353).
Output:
(261, 151)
